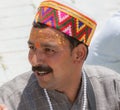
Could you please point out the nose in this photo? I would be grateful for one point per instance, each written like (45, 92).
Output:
(38, 58)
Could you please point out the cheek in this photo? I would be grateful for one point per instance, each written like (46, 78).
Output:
(63, 62)
(30, 58)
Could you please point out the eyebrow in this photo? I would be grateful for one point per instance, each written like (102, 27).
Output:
(30, 43)
(48, 45)
(44, 45)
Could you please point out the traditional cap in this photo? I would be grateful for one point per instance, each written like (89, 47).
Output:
(66, 19)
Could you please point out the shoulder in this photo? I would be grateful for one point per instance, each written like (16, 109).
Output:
(106, 86)
(101, 72)
(103, 77)
(20, 92)
(17, 85)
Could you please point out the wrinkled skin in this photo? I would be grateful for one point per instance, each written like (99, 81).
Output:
(60, 67)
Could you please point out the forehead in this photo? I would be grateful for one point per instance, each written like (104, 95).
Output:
(47, 35)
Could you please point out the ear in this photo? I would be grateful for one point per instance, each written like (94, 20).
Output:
(79, 53)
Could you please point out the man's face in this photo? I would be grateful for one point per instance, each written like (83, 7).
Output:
(51, 53)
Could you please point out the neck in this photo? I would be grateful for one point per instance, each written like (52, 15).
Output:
(72, 94)
(72, 89)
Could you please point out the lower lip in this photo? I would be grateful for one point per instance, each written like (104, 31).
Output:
(44, 77)
(42, 74)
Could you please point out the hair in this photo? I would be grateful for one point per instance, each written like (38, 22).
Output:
(73, 41)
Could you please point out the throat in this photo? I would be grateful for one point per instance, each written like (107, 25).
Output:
(72, 92)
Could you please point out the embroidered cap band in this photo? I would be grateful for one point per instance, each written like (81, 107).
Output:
(66, 19)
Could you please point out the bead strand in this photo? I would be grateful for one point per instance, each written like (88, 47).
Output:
(84, 94)
(48, 99)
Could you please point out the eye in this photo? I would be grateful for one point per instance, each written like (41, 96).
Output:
(49, 51)
(31, 47)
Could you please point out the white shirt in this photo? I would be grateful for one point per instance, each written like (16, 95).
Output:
(105, 47)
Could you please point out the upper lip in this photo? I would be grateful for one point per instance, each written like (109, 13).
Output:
(42, 72)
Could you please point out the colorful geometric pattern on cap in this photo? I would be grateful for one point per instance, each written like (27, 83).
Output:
(67, 20)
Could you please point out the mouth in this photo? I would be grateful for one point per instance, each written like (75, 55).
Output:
(42, 70)
(42, 73)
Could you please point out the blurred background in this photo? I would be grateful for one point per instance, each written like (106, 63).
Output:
(16, 17)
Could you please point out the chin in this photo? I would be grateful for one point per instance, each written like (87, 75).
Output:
(46, 87)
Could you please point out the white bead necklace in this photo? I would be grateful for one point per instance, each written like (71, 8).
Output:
(48, 99)
(84, 94)
(85, 91)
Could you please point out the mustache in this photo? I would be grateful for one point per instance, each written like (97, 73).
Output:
(42, 68)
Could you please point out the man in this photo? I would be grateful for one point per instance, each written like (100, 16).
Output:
(58, 44)
(107, 55)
